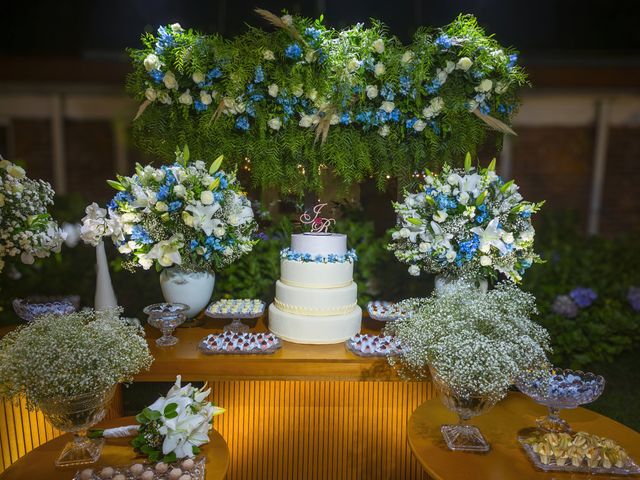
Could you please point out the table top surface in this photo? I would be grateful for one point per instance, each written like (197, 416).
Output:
(291, 362)
(39, 463)
(500, 426)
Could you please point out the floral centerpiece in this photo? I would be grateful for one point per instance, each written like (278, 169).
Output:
(26, 228)
(186, 215)
(68, 366)
(465, 222)
(305, 97)
(475, 345)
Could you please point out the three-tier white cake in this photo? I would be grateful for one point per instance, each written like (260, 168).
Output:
(316, 297)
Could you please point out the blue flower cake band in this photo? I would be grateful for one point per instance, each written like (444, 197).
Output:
(289, 254)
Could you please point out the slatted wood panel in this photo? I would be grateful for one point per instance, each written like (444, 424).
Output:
(316, 430)
(294, 430)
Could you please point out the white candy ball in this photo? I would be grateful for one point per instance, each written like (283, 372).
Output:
(86, 474)
(175, 474)
(148, 475)
(119, 477)
(188, 464)
(186, 476)
(107, 472)
(136, 469)
(162, 467)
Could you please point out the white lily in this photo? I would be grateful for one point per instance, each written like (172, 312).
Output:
(490, 236)
(203, 216)
(167, 252)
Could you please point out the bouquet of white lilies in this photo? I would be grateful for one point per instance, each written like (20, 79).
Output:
(465, 221)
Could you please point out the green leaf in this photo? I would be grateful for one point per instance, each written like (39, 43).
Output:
(146, 449)
(196, 450)
(506, 186)
(154, 456)
(467, 162)
(116, 185)
(95, 433)
(151, 414)
(171, 415)
(430, 200)
(214, 184)
(170, 458)
(142, 419)
(481, 198)
(492, 165)
(186, 154)
(216, 165)
(414, 221)
(171, 407)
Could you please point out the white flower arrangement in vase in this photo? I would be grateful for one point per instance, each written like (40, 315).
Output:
(187, 219)
(26, 228)
(465, 222)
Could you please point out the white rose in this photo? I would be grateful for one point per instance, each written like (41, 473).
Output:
(150, 94)
(387, 106)
(384, 131)
(273, 90)
(306, 121)
(404, 233)
(485, 247)
(379, 69)
(441, 75)
(298, 90)
(450, 66)
(205, 98)
(485, 260)
(312, 95)
(440, 216)
(197, 77)
(527, 235)
(170, 81)
(158, 175)
(179, 191)
(427, 112)
(162, 207)
(310, 56)
(186, 98)
(507, 237)
(407, 57)
(414, 270)
(424, 247)
(334, 119)
(463, 198)
(268, 55)
(219, 232)
(372, 91)
(227, 252)
(176, 28)
(378, 45)
(165, 98)
(419, 125)
(485, 85)
(353, 65)
(206, 197)
(501, 87)
(464, 64)
(395, 235)
(287, 19)
(275, 123)
(187, 218)
(450, 256)
(437, 104)
(152, 62)
(16, 172)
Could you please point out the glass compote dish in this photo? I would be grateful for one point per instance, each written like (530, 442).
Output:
(76, 415)
(462, 436)
(29, 309)
(557, 389)
(166, 317)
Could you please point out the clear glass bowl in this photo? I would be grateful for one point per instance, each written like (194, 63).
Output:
(557, 389)
(76, 415)
(31, 308)
(462, 436)
(166, 317)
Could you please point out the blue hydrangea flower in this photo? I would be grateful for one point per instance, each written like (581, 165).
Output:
(193, 244)
(387, 92)
(224, 183)
(410, 122)
(214, 73)
(405, 85)
(435, 127)
(163, 192)
(165, 40)
(140, 235)
(484, 108)
(513, 58)
(445, 202)
(175, 205)
(394, 116)
(199, 106)
(433, 87)
(443, 41)
(157, 75)
(242, 123)
(293, 51)
(583, 297)
(525, 213)
(259, 75)
(313, 34)
(345, 118)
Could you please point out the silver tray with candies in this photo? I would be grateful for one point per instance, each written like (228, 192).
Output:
(384, 311)
(236, 308)
(239, 343)
(187, 469)
(366, 345)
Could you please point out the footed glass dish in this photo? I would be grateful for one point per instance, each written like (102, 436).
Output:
(166, 317)
(33, 307)
(236, 310)
(557, 389)
(384, 311)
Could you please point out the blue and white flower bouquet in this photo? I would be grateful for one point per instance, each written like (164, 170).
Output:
(183, 214)
(466, 222)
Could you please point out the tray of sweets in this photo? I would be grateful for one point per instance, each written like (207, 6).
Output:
(237, 343)
(366, 345)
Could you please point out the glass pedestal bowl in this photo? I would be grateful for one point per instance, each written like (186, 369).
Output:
(29, 309)
(166, 317)
(462, 436)
(76, 415)
(557, 389)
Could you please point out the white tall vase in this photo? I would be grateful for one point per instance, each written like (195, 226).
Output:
(105, 296)
(191, 288)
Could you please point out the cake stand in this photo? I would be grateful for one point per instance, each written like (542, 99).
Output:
(384, 311)
(235, 316)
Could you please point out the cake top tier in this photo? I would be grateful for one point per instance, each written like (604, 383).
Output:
(319, 243)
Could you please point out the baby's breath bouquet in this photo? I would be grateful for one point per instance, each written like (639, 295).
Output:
(70, 355)
(26, 228)
(465, 222)
(478, 343)
(188, 214)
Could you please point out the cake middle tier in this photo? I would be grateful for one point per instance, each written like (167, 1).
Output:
(316, 275)
(316, 301)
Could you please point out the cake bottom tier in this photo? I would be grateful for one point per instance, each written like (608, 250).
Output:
(309, 329)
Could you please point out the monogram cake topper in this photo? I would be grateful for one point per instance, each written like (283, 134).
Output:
(318, 223)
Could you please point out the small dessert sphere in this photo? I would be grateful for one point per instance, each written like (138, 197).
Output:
(186, 476)
(161, 467)
(175, 474)
(86, 474)
(148, 475)
(119, 477)
(136, 469)
(188, 464)
(107, 472)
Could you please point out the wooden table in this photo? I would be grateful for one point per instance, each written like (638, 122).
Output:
(500, 427)
(39, 463)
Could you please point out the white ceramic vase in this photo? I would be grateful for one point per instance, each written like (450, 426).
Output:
(444, 284)
(191, 288)
(105, 296)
